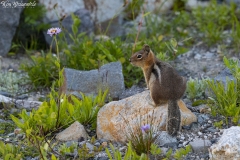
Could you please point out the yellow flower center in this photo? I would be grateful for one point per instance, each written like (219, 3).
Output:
(53, 31)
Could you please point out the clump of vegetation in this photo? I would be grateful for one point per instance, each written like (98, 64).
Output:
(58, 113)
(10, 151)
(11, 81)
(196, 88)
(154, 152)
(224, 99)
(212, 21)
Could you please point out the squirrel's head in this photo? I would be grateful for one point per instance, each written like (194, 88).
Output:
(141, 57)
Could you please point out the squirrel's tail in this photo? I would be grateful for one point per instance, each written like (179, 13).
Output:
(174, 118)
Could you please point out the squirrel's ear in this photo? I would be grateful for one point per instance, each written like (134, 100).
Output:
(146, 48)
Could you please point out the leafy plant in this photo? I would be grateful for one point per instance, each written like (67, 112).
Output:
(63, 149)
(9, 151)
(155, 151)
(42, 70)
(58, 113)
(11, 82)
(130, 154)
(182, 152)
(196, 88)
(85, 111)
(212, 20)
(224, 100)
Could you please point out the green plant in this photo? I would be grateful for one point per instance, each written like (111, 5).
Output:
(182, 152)
(130, 154)
(11, 82)
(224, 100)
(42, 70)
(142, 134)
(218, 124)
(155, 153)
(6, 127)
(58, 113)
(212, 20)
(10, 152)
(63, 149)
(196, 88)
(233, 65)
(85, 111)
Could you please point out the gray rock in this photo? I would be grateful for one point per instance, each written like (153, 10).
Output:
(200, 145)
(212, 129)
(9, 21)
(28, 105)
(131, 91)
(20, 104)
(97, 144)
(72, 133)
(89, 82)
(165, 140)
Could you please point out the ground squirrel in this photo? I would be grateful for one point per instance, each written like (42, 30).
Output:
(165, 85)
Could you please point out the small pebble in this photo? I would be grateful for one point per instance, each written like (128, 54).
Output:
(97, 144)
(7, 140)
(199, 133)
(104, 144)
(185, 143)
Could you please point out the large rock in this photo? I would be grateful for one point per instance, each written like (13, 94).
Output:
(10, 16)
(89, 82)
(228, 147)
(116, 118)
(101, 10)
(72, 133)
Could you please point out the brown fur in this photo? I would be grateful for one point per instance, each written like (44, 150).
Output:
(165, 85)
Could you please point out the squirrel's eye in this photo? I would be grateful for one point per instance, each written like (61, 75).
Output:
(139, 56)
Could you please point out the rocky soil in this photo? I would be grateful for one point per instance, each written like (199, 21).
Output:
(198, 62)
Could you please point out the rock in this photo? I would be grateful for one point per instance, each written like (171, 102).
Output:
(200, 145)
(21, 104)
(28, 105)
(86, 25)
(131, 91)
(165, 140)
(101, 10)
(116, 119)
(228, 145)
(73, 132)
(88, 82)
(212, 129)
(9, 21)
